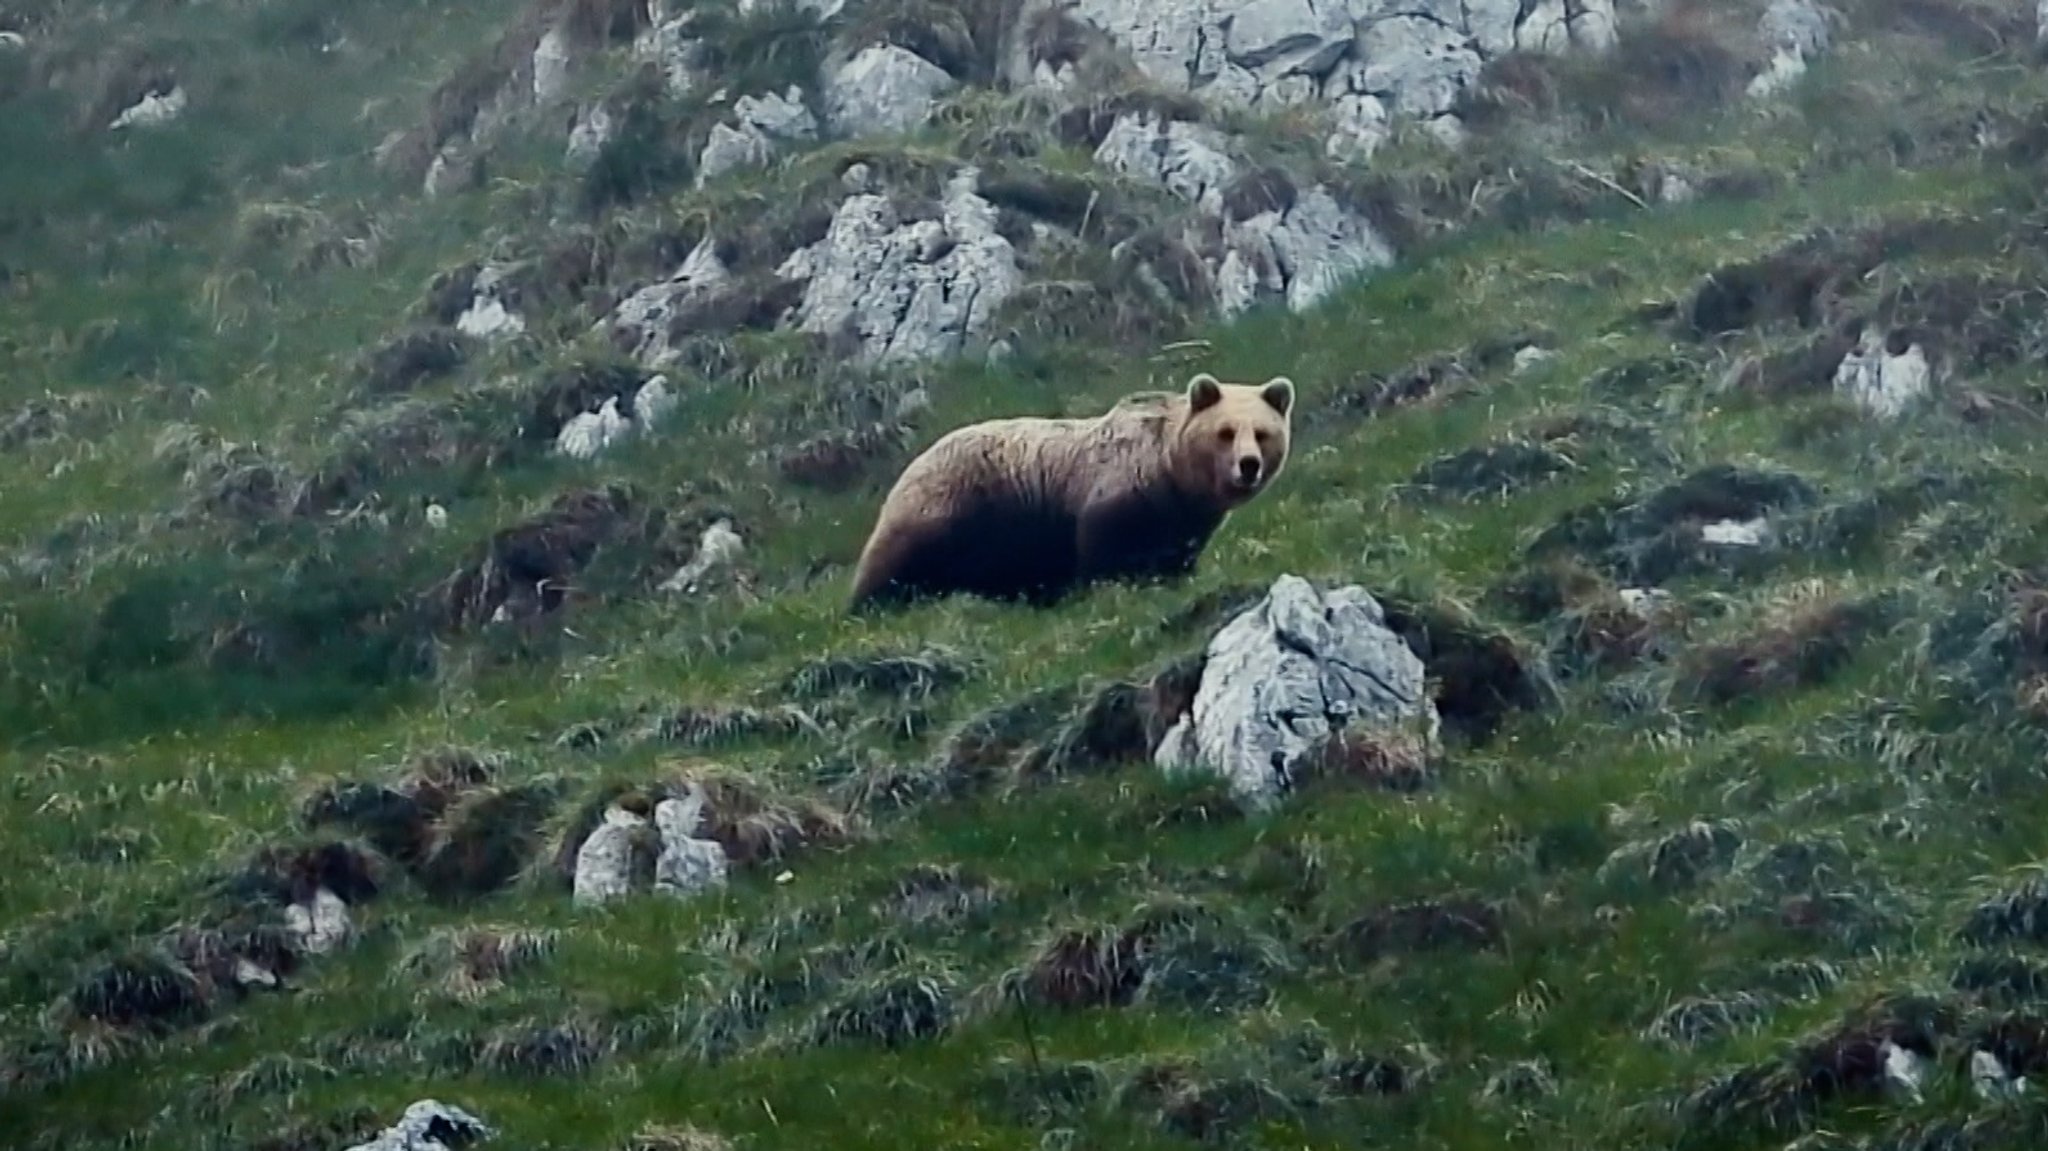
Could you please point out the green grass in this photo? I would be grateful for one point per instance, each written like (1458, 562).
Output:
(1856, 814)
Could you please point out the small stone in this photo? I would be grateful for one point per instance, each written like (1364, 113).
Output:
(718, 548)
(1880, 383)
(320, 923)
(152, 110)
(429, 1125)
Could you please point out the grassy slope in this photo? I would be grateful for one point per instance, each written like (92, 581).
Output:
(111, 838)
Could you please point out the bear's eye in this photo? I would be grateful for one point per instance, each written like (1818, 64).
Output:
(1263, 436)
(1225, 434)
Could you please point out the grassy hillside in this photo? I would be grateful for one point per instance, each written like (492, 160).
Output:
(1679, 875)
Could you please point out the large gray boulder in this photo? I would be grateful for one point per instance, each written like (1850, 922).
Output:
(1286, 675)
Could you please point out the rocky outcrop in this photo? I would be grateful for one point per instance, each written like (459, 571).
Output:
(645, 324)
(1362, 61)
(882, 91)
(1285, 676)
(907, 289)
(1299, 254)
(1297, 250)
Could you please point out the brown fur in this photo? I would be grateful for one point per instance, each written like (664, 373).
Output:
(1031, 509)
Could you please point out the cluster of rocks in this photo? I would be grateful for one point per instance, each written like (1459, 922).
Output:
(1364, 63)
(588, 434)
(629, 851)
(905, 284)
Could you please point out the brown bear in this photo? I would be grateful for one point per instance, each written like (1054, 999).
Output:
(1029, 509)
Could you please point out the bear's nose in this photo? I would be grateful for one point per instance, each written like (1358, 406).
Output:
(1248, 469)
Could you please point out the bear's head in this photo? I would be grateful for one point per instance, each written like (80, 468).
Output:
(1235, 438)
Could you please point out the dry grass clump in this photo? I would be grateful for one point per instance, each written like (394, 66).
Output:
(1803, 640)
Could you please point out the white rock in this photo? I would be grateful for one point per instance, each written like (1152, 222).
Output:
(1904, 1070)
(1419, 65)
(653, 404)
(719, 547)
(1412, 56)
(1529, 357)
(1796, 31)
(1557, 26)
(251, 974)
(1166, 39)
(1674, 188)
(643, 322)
(320, 923)
(762, 126)
(1279, 38)
(604, 864)
(152, 110)
(1190, 160)
(822, 9)
(883, 91)
(1301, 255)
(550, 66)
(487, 317)
(1880, 383)
(1736, 533)
(687, 864)
(589, 434)
(437, 517)
(1644, 601)
(1285, 675)
(908, 291)
(1992, 1081)
(592, 132)
(1360, 127)
(429, 1126)
(12, 40)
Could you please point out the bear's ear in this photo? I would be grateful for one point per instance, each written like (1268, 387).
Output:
(1278, 394)
(1204, 391)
